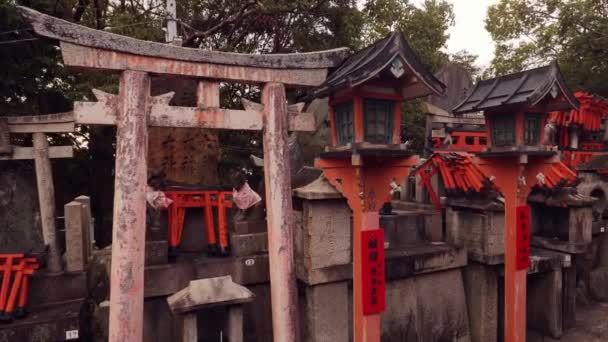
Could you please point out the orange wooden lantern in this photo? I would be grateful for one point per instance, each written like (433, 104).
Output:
(515, 107)
(366, 155)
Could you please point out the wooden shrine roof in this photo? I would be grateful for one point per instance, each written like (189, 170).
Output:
(65, 31)
(527, 87)
(377, 58)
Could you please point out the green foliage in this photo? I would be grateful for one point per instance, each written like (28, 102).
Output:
(531, 33)
(467, 60)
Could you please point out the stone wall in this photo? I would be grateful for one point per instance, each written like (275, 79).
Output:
(19, 210)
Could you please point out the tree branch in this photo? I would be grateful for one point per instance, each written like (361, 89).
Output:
(245, 11)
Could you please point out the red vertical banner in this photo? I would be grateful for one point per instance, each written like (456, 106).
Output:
(372, 247)
(523, 237)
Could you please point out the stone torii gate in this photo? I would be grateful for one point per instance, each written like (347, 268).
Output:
(133, 109)
(41, 153)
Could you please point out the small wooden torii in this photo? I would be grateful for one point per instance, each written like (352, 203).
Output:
(133, 109)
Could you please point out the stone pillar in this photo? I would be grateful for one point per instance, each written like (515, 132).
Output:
(75, 238)
(327, 312)
(481, 288)
(190, 327)
(129, 224)
(88, 223)
(46, 198)
(279, 215)
(545, 307)
(234, 326)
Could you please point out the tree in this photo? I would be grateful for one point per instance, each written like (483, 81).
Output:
(532, 33)
(467, 60)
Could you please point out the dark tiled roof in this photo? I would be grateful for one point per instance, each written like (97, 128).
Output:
(527, 87)
(371, 61)
(599, 162)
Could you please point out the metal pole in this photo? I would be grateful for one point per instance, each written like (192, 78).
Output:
(46, 198)
(283, 290)
(129, 223)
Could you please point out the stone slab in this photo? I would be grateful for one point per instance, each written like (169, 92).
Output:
(323, 275)
(559, 245)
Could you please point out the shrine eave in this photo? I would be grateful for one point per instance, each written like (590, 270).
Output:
(65, 31)
(526, 88)
(378, 59)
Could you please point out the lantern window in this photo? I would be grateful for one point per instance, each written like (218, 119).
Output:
(502, 130)
(379, 119)
(531, 128)
(344, 123)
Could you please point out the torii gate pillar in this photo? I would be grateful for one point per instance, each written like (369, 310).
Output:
(279, 214)
(129, 222)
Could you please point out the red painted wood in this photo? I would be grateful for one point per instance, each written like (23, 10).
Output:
(373, 268)
(522, 254)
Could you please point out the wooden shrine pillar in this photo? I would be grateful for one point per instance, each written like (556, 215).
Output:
(46, 198)
(515, 282)
(129, 223)
(283, 289)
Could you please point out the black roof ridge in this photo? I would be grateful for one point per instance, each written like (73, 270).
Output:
(546, 77)
(373, 59)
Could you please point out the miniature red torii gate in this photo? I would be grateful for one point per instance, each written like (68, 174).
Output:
(133, 109)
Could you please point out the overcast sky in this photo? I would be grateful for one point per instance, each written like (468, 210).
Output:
(469, 32)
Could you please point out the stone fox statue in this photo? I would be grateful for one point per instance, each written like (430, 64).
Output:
(249, 204)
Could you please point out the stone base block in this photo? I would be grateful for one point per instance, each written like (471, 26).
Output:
(57, 322)
(428, 307)
(157, 252)
(248, 244)
(249, 227)
(544, 304)
(481, 288)
(46, 289)
(598, 281)
(327, 312)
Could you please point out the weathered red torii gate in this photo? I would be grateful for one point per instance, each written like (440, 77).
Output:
(133, 109)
